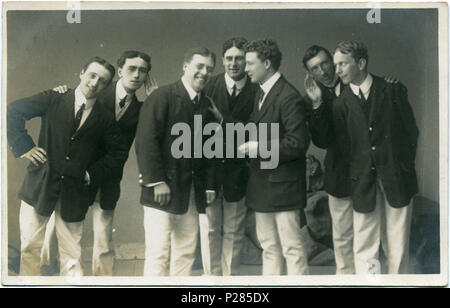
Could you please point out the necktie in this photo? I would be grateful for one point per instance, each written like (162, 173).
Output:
(260, 98)
(196, 100)
(233, 93)
(195, 103)
(233, 96)
(123, 101)
(361, 96)
(78, 116)
(331, 90)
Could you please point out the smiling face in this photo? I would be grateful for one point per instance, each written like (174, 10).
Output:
(198, 71)
(348, 69)
(322, 69)
(94, 79)
(234, 63)
(257, 70)
(133, 73)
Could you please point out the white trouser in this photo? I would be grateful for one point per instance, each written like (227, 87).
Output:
(388, 226)
(221, 254)
(170, 241)
(103, 249)
(279, 235)
(341, 210)
(32, 233)
(49, 251)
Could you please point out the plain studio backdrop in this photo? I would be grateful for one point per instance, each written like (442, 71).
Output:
(44, 50)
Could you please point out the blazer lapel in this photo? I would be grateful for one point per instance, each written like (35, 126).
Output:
(222, 88)
(377, 91)
(68, 112)
(90, 121)
(354, 105)
(183, 102)
(270, 98)
(108, 97)
(131, 111)
(242, 98)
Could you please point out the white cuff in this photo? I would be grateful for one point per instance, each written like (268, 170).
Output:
(152, 184)
(87, 178)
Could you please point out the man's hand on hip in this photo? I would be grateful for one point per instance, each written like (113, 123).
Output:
(36, 155)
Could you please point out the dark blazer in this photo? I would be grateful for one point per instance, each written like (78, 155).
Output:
(282, 188)
(382, 145)
(232, 172)
(110, 189)
(68, 156)
(336, 179)
(164, 108)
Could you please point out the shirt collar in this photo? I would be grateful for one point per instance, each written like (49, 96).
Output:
(239, 84)
(267, 86)
(364, 86)
(191, 92)
(80, 100)
(120, 90)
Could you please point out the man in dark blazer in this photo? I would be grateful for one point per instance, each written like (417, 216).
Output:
(175, 188)
(65, 164)
(377, 133)
(120, 99)
(277, 194)
(322, 86)
(222, 227)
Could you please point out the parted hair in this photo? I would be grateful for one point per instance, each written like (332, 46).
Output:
(238, 42)
(130, 54)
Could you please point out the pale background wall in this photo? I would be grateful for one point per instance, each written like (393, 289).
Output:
(44, 51)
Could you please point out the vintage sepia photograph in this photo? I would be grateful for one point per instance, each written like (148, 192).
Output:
(224, 144)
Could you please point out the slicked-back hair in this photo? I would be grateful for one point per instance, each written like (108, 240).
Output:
(266, 50)
(313, 51)
(238, 42)
(102, 62)
(130, 54)
(356, 49)
(202, 51)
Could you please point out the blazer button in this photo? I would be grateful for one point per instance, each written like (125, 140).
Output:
(72, 139)
(67, 157)
(62, 177)
(370, 128)
(373, 168)
(374, 148)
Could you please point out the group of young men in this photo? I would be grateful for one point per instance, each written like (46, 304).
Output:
(365, 123)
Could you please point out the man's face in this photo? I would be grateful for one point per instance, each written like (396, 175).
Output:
(133, 73)
(256, 69)
(94, 80)
(234, 63)
(198, 71)
(348, 69)
(322, 69)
